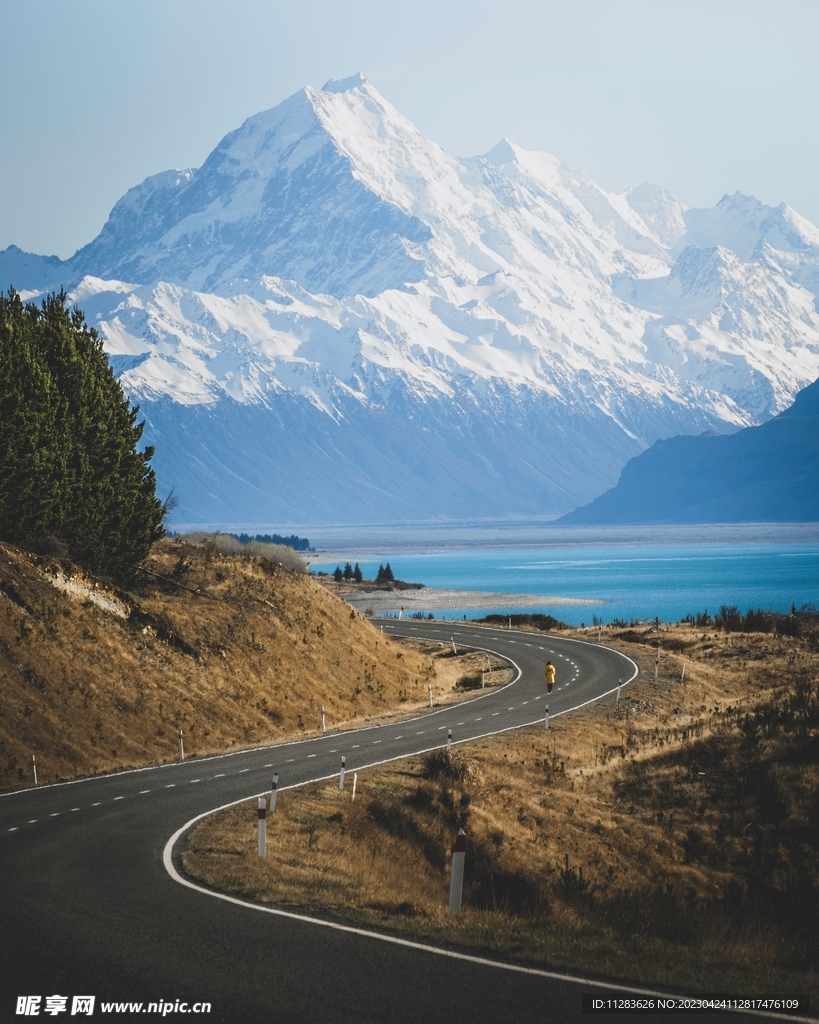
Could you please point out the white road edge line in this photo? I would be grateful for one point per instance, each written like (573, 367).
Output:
(285, 743)
(167, 860)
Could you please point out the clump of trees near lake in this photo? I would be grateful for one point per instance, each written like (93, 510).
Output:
(73, 479)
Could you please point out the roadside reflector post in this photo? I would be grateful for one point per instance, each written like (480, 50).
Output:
(618, 692)
(449, 739)
(261, 811)
(341, 773)
(274, 789)
(181, 747)
(429, 690)
(682, 674)
(510, 621)
(454, 648)
(355, 783)
(657, 663)
(323, 726)
(34, 768)
(483, 679)
(547, 716)
(599, 634)
(456, 885)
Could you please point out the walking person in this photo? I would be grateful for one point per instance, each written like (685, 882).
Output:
(549, 673)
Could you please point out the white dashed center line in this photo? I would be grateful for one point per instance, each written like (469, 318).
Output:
(119, 797)
(143, 791)
(13, 829)
(56, 814)
(312, 755)
(32, 822)
(194, 780)
(96, 804)
(75, 808)
(171, 785)
(376, 741)
(243, 770)
(221, 775)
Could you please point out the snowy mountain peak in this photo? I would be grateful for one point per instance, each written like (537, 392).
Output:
(332, 269)
(505, 152)
(345, 84)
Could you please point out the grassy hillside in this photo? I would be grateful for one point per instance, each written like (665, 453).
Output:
(235, 651)
(672, 839)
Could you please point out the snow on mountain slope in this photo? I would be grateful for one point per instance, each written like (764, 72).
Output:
(340, 277)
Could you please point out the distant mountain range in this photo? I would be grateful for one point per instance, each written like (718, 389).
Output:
(768, 473)
(332, 320)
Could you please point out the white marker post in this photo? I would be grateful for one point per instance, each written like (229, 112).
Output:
(510, 621)
(657, 663)
(274, 789)
(34, 768)
(618, 692)
(323, 726)
(599, 634)
(682, 674)
(547, 716)
(181, 747)
(483, 680)
(262, 813)
(449, 739)
(355, 783)
(401, 613)
(341, 773)
(456, 886)
(454, 648)
(429, 690)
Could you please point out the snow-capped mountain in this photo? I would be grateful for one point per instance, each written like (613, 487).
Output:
(333, 319)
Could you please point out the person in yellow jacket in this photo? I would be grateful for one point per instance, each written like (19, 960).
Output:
(549, 673)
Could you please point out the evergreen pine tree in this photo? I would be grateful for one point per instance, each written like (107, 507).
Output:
(338, 575)
(348, 572)
(357, 574)
(69, 463)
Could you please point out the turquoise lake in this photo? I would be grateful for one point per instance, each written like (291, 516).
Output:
(636, 581)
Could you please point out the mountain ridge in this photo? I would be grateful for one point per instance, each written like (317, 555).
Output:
(759, 474)
(327, 263)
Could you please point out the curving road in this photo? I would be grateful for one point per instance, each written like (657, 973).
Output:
(89, 908)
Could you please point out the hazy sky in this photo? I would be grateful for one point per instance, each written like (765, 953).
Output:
(703, 98)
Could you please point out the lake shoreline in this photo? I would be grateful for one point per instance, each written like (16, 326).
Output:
(413, 599)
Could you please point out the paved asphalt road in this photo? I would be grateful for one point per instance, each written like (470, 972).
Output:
(88, 908)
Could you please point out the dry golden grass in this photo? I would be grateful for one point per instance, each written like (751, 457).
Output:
(235, 651)
(615, 843)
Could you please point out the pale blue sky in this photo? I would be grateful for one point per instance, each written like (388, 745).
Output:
(700, 97)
